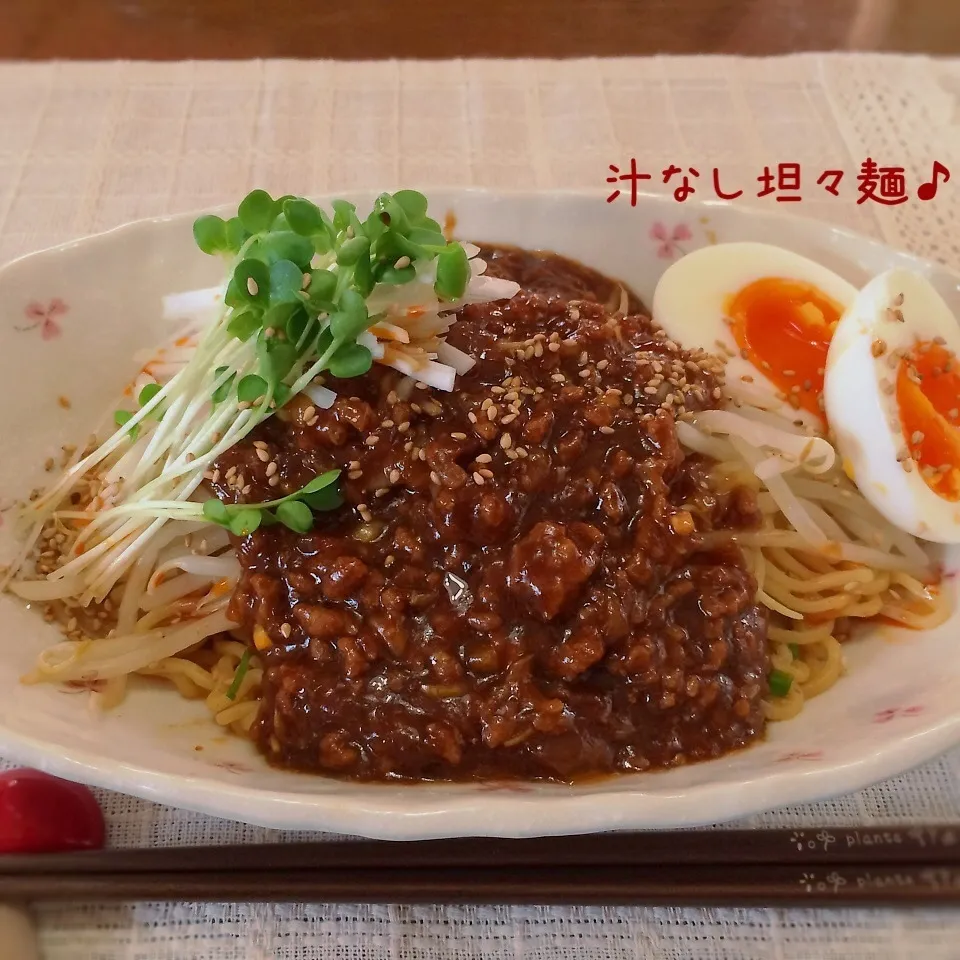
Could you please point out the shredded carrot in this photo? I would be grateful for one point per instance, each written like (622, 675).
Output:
(220, 588)
(182, 341)
(414, 312)
(389, 331)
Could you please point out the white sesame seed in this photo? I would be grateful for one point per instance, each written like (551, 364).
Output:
(508, 419)
(492, 413)
(606, 430)
(483, 458)
(355, 474)
(372, 440)
(478, 479)
(271, 468)
(262, 455)
(458, 436)
(285, 630)
(252, 287)
(394, 476)
(402, 262)
(506, 441)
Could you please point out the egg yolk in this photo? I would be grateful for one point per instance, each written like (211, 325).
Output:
(783, 327)
(928, 398)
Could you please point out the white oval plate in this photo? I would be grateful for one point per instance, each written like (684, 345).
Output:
(72, 318)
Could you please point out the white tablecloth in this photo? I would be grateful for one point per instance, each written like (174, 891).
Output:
(87, 146)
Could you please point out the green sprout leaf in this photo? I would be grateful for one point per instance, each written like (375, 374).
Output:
(243, 324)
(391, 274)
(453, 272)
(252, 280)
(414, 204)
(281, 394)
(286, 245)
(286, 281)
(297, 326)
(256, 211)
(295, 515)
(277, 357)
(323, 285)
(344, 215)
(223, 391)
(148, 392)
(216, 512)
(251, 388)
(320, 482)
(236, 235)
(244, 522)
(352, 250)
(304, 217)
(210, 232)
(351, 319)
(123, 417)
(327, 499)
(430, 240)
(363, 276)
(350, 360)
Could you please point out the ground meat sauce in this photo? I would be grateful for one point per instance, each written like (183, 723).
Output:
(515, 586)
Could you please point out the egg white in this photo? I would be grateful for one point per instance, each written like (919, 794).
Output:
(865, 420)
(689, 304)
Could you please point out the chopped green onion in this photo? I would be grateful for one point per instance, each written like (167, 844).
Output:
(780, 682)
(242, 667)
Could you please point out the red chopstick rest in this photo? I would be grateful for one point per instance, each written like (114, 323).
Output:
(42, 814)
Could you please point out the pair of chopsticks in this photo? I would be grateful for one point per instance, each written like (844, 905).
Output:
(835, 866)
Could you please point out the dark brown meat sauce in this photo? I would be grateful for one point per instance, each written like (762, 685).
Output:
(514, 587)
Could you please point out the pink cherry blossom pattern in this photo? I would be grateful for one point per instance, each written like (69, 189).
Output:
(668, 241)
(891, 713)
(44, 318)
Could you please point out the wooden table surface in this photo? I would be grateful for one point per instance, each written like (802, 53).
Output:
(361, 29)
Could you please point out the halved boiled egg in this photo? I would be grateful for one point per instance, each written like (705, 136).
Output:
(892, 396)
(770, 311)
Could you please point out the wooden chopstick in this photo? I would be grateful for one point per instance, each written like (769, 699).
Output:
(832, 885)
(811, 846)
